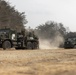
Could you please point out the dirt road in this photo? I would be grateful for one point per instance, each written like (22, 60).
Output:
(38, 62)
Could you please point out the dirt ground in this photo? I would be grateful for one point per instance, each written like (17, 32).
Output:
(38, 62)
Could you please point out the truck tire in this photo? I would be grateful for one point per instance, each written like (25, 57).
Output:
(29, 45)
(35, 45)
(6, 45)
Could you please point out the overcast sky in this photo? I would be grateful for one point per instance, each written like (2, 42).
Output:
(39, 11)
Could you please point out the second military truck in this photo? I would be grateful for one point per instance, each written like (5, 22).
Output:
(70, 42)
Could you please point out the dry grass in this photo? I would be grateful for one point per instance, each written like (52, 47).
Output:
(38, 62)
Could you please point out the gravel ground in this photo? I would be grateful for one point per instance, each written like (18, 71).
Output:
(38, 62)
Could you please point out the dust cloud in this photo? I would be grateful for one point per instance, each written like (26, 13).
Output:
(51, 43)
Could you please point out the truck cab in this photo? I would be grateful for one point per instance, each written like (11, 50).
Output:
(7, 36)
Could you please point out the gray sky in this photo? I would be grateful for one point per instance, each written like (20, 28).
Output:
(39, 11)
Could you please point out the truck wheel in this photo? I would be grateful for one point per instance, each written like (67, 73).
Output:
(34, 45)
(6, 45)
(29, 45)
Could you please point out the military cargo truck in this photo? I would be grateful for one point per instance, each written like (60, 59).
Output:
(18, 40)
(70, 42)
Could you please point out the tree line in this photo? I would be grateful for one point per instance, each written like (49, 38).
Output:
(50, 29)
(10, 17)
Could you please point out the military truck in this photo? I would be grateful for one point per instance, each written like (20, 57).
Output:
(18, 40)
(70, 42)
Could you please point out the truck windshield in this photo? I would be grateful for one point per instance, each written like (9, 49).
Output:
(4, 35)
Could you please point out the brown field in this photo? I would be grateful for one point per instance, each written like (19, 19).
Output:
(38, 62)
